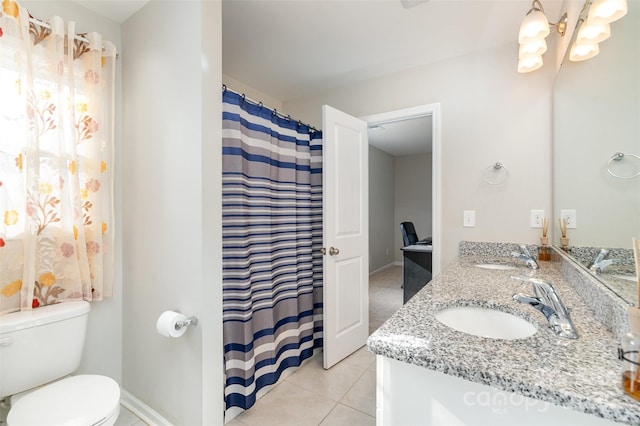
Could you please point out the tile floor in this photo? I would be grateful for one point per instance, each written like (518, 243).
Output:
(345, 395)
(127, 418)
(342, 395)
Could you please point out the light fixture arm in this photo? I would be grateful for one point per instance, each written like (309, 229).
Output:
(560, 26)
(536, 5)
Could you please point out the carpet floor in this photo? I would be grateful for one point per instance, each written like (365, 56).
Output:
(385, 296)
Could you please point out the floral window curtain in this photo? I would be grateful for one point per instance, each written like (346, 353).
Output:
(56, 162)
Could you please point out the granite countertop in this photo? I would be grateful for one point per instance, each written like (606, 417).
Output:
(582, 374)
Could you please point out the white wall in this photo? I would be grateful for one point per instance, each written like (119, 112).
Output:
(412, 197)
(597, 113)
(381, 209)
(489, 113)
(210, 311)
(253, 94)
(399, 191)
(103, 348)
(167, 203)
(172, 245)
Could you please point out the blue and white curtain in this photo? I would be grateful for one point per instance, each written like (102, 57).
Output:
(272, 236)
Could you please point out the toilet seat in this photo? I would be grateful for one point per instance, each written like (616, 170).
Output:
(84, 400)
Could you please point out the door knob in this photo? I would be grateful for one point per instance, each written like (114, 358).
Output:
(333, 251)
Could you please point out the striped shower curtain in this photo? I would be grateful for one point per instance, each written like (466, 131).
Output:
(272, 235)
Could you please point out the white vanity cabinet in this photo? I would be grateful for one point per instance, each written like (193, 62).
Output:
(410, 395)
(430, 373)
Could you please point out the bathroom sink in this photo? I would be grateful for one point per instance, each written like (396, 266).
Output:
(486, 322)
(495, 266)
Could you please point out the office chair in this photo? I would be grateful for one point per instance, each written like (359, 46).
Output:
(409, 235)
(408, 232)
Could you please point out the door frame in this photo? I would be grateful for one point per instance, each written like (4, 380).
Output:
(426, 110)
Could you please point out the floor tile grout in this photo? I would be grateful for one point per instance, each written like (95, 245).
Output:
(357, 409)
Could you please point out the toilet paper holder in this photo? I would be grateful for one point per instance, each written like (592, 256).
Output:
(192, 320)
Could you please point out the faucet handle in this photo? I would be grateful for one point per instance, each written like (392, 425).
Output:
(609, 262)
(525, 256)
(525, 250)
(538, 304)
(599, 266)
(547, 301)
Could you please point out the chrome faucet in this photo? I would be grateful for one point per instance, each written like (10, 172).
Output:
(526, 257)
(547, 301)
(599, 262)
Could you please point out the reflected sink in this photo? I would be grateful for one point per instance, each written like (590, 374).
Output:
(486, 322)
(495, 266)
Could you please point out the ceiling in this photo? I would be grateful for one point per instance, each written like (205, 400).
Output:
(294, 48)
(116, 10)
(402, 138)
(290, 49)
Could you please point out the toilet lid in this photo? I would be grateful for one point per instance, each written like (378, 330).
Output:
(77, 400)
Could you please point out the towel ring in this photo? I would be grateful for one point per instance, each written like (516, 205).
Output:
(495, 174)
(618, 156)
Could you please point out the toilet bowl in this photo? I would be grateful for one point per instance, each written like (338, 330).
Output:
(83, 400)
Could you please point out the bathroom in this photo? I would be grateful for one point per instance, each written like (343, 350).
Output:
(168, 195)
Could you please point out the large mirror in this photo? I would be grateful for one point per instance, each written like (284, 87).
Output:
(596, 114)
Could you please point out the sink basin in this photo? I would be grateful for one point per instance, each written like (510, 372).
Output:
(486, 322)
(495, 266)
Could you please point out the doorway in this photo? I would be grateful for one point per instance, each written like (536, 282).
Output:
(411, 137)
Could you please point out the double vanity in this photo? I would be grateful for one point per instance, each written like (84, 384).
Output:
(463, 351)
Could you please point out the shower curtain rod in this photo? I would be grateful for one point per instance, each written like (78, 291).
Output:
(43, 24)
(260, 104)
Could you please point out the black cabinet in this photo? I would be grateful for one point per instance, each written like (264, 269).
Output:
(416, 267)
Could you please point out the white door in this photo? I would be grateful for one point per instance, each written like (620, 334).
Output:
(345, 173)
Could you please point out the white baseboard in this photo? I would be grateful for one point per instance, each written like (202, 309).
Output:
(390, 265)
(142, 410)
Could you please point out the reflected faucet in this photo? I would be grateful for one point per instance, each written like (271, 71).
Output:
(599, 262)
(547, 301)
(526, 257)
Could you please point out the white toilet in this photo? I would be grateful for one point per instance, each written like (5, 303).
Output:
(37, 350)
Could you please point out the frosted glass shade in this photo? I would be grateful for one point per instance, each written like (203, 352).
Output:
(533, 48)
(534, 27)
(592, 32)
(606, 11)
(581, 52)
(529, 64)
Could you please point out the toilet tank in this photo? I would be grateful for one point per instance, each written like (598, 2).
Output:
(42, 345)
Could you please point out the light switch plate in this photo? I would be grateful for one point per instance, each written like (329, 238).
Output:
(537, 218)
(571, 215)
(469, 218)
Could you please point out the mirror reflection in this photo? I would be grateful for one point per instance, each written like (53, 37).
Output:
(596, 115)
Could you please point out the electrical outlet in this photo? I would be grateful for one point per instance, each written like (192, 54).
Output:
(537, 218)
(571, 215)
(469, 220)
